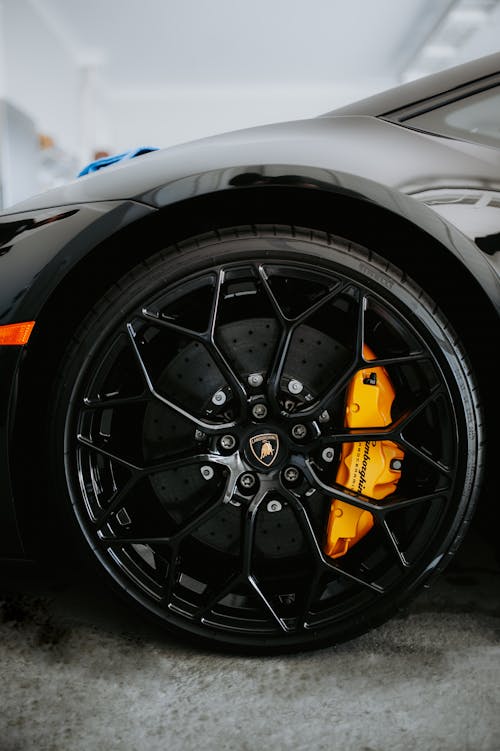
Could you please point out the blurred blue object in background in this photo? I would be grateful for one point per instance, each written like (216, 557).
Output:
(107, 160)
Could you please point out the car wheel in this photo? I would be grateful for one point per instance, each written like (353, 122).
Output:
(268, 438)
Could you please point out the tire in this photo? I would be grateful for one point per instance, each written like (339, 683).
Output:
(205, 413)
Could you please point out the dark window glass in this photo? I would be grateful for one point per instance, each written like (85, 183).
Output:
(476, 118)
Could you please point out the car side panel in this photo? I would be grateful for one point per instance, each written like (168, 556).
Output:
(10, 540)
(38, 248)
(365, 147)
(36, 251)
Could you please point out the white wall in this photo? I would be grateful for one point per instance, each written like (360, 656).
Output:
(177, 114)
(43, 72)
(40, 74)
(2, 52)
(46, 75)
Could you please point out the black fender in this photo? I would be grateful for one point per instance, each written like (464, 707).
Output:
(37, 250)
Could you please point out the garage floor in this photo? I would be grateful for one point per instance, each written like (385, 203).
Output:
(80, 672)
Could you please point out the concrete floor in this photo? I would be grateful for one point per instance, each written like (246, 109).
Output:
(81, 672)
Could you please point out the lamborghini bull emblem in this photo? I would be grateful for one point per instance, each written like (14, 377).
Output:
(265, 448)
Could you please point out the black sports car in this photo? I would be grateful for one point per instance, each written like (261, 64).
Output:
(243, 377)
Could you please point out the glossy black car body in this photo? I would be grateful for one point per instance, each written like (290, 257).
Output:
(430, 203)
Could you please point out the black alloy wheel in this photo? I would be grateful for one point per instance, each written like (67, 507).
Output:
(199, 426)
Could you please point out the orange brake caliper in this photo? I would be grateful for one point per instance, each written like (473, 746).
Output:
(372, 468)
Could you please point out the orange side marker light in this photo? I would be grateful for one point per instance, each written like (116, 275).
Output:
(16, 333)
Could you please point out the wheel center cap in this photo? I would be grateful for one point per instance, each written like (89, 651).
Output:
(264, 449)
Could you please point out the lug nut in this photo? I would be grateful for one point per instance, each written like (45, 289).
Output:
(247, 480)
(299, 430)
(273, 506)
(259, 411)
(228, 442)
(219, 398)
(206, 472)
(199, 435)
(396, 464)
(291, 474)
(294, 386)
(255, 380)
(328, 454)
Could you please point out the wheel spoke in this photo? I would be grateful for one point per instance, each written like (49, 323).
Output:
(227, 371)
(170, 541)
(114, 457)
(115, 401)
(180, 461)
(185, 460)
(248, 536)
(288, 328)
(248, 539)
(267, 604)
(177, 537)
(283, 345)
(443, 469)
(333, 292)
(301, 621)
(408, 418)
(161, 565)
(355, 365)
(198, 520)
(219, 358)
(214, 312)
(367, 503)
(165, 323)
(399, 504)
(207, 427)
(318, 556)
(390, 432)
(385, 362)
(226, 589)
(211, 511)
(276, 369)
(360, 329)
(393, 543)
(417, 409)
(272, 297)
(341, 493)
(342, 381)
(207, 339)
(323, 403)
(308, 531)
(171, 578)
(116, 501)
(121, 541)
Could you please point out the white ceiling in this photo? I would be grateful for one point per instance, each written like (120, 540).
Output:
(160, 43)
